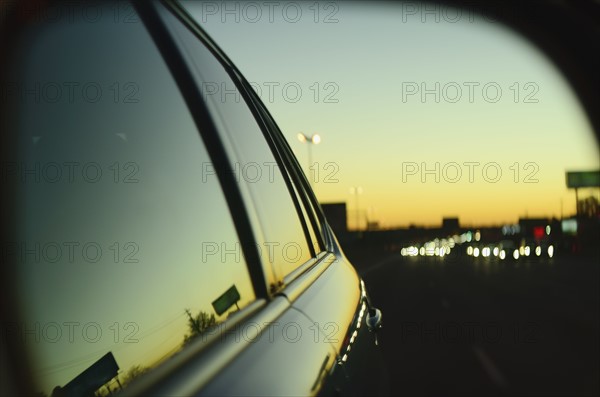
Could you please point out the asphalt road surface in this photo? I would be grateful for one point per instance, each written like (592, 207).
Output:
(460, 325)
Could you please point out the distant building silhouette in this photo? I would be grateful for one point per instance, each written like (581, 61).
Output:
(336, 217)
(450, 225)
(530, 227)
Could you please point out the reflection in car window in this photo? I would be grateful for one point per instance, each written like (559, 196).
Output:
(123, 249)
(282, 241)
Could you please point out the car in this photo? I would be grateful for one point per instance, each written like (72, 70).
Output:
(543, 248)
(160, 237)
(527, 247)
(508, 249)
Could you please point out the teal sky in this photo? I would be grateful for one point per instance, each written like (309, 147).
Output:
(371, 130)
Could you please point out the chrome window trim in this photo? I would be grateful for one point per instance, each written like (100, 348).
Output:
(308, 274)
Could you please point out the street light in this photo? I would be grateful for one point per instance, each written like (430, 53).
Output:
(312, 140)
(356, 191)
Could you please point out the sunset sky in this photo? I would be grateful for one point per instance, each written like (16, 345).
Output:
(432, 115)
(355, 75)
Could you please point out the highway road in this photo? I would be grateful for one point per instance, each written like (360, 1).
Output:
(460, 325)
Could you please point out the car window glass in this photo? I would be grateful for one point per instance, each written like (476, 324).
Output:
(124, 253)
(313, 223)
(280, 237)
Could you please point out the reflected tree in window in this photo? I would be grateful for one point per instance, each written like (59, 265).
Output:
(198, 324)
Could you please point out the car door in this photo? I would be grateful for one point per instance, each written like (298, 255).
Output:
(292, 358)
(322, 285)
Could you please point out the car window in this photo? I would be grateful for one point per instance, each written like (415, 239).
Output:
(279, 231)
(124, 252)
(299, 182)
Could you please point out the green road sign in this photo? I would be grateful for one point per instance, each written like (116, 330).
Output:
(583, 179)
(225, 301)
